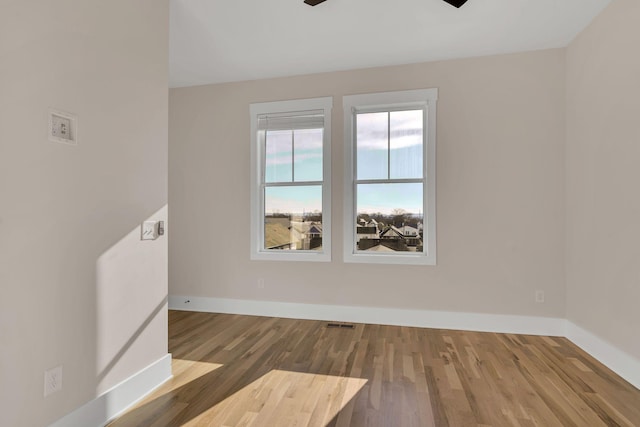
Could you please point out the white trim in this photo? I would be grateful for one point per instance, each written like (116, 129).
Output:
(257, 220)
(620, 362)
(110, 404)
(423, 98)
(374, 315)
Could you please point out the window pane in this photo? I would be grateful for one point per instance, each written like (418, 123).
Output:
(307, 155)
(372, 145)
(278, 165)
(293, 218)
(406, 144)
(389, 217)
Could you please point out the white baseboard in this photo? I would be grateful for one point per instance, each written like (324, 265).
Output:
(510, 324)
(623, 364)
(104, 408)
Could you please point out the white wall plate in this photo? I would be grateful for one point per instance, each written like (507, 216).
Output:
(63, 127)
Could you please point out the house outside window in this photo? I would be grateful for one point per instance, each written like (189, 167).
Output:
(390, 210)
(291, 180)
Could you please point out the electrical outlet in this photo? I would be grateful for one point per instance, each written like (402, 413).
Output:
(261, 283)
(539, 296)
(52, 380)
(63, 127)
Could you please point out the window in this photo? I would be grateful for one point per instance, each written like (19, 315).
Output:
(291, 180)
(390, 177)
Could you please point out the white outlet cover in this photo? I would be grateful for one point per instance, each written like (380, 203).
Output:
(63, 127)
(52, 380)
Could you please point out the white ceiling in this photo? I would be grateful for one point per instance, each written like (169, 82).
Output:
(214, 41)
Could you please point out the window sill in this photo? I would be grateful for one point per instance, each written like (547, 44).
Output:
(401, 259)
(291, 256)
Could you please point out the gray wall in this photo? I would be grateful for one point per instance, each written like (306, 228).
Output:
(500, 175)
(603, 177)
(77, 286)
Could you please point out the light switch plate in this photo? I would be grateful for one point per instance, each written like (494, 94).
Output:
(150, 230)
(63, 127)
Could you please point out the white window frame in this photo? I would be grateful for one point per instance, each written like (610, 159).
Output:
(257, 181)
(421, 98)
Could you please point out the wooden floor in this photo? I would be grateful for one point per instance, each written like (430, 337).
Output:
(254, 371)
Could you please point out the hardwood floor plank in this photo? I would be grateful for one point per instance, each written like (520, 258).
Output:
(232, 370)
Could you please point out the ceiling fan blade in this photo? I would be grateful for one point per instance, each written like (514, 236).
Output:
(456, 3)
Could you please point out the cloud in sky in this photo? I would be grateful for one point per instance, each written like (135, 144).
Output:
(285, 158)
(373, 130)
(300, 152)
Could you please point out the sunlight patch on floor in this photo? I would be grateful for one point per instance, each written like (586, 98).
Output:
(283, 398)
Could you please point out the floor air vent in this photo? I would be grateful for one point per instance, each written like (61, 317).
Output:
(340, 325)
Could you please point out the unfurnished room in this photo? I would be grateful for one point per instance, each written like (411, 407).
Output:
(320, 213)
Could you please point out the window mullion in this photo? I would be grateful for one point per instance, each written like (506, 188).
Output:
(354, 150)
(293, 154)
(263, 157)
(293, 184)
(388, 145)
(391, 181)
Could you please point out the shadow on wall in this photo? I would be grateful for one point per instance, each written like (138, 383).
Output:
(131, 305)
(129, 317)
(131, 341)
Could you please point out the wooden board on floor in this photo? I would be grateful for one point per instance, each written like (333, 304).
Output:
(232, 370)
